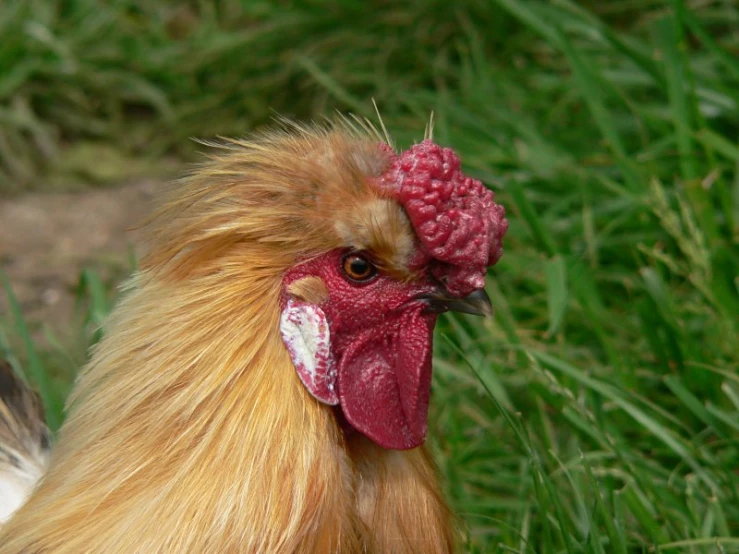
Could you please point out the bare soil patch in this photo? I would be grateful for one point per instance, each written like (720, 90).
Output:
(46, 240)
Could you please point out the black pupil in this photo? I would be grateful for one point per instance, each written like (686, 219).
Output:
(359, 267)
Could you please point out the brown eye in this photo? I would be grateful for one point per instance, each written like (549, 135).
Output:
(358, 268)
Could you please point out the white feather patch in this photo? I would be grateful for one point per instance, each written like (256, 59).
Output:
(17, 481)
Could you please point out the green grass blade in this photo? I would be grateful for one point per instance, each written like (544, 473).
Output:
(670, 44)
(530, 217)
(691, 402)
(556, 276)
(53, 405)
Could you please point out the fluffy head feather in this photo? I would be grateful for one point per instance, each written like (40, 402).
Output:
(289, 194)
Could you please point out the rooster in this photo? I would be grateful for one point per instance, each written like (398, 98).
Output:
(263, 385)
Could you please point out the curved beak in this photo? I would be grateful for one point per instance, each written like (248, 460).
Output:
(477, 303)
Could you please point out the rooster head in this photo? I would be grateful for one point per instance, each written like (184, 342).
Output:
(342, 247)
(358, 320)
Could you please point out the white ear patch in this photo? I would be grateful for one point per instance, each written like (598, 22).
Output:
(305, 332)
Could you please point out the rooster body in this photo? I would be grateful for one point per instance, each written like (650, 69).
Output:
(189, 430)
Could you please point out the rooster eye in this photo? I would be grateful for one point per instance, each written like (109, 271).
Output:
(357, 268)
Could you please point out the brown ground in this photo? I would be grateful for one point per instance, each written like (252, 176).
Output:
(47, 239)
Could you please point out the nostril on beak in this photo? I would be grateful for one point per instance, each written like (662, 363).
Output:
(477, 303)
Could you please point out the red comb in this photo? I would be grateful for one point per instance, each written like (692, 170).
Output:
(456, 220)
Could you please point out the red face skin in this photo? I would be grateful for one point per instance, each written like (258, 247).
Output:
(379, 371)
(381, 341)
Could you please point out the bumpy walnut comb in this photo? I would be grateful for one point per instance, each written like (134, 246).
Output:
(458, 224)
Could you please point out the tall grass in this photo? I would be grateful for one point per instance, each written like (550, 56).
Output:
(606, 415)
(598, 412)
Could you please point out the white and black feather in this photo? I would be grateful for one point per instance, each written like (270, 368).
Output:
(24, 441)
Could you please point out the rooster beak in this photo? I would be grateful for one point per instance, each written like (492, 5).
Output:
(477, 303)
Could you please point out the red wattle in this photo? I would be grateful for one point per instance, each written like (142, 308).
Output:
(384, 381)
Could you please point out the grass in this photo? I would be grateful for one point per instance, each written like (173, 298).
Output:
(598, 412)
